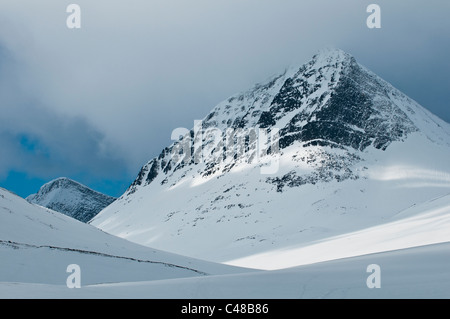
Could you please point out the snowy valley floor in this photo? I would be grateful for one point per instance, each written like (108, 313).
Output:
(412, 251)
(420, 272)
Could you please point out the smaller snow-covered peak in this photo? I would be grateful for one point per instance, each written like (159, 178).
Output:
(71, 198)
(61, 182)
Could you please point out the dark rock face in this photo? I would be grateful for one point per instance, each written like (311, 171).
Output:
(71, 198)
(357, 113)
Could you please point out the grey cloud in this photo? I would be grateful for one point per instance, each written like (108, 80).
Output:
(44, 143)
(138, 69)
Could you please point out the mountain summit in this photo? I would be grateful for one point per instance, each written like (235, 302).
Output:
(319, 150)
(330, 101)
(71, 198)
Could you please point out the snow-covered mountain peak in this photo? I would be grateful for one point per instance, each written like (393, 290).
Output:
(329, 101)
(316, 127)
(331, 54)
(71, 198)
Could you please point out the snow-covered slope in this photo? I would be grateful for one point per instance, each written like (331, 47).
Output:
(37, 245)
(423, 224)
(419, 273)
(347, 152)
(71, 198)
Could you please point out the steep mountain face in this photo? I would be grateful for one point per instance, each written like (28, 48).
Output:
(71, 198)
(320, 150)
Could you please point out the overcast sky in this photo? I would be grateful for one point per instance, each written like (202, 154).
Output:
(97, 103)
